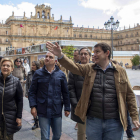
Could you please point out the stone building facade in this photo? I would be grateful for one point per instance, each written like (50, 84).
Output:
(18, 32)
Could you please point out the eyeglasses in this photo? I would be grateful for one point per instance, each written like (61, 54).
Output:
(18, 61)
(8, 66)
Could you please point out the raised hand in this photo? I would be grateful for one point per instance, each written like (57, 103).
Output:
(55, 49)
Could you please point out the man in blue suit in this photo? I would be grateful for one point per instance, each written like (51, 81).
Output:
(47, 94)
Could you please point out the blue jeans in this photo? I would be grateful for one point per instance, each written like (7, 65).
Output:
(100, 129)
(129, 130)
(56, 125)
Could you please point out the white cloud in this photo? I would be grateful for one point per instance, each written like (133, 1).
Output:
(130, 14)
(108, 6)
(128, 11)
(19, 9)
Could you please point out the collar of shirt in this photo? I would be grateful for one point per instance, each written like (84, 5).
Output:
(108, 66)
(51, 71)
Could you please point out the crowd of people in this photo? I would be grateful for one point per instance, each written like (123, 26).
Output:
(97, 93)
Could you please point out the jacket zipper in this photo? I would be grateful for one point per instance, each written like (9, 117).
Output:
(2, 98)
(103, 94)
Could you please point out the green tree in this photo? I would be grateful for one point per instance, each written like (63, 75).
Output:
(68, 51)
(135, 60)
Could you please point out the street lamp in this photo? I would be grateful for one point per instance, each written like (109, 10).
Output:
(110, 24)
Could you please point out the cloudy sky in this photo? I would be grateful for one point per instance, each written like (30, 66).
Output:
(83, 12)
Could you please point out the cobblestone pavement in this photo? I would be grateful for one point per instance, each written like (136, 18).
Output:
(68, 131)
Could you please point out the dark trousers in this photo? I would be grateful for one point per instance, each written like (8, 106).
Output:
(129, 130)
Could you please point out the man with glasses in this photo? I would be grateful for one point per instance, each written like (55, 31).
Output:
(106, 90)
(75, 85)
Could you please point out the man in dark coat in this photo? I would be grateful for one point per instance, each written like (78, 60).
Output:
(75, 85)
(48, 86)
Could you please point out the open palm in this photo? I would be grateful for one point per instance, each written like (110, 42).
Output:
(55, 49)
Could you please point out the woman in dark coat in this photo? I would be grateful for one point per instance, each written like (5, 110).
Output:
(35, 66)
(11, 101)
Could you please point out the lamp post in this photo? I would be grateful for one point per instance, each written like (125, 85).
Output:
(110, 24)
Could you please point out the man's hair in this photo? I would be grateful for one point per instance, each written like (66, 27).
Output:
(88, 50)
(104, 47)
(55, 57)
(76, 50)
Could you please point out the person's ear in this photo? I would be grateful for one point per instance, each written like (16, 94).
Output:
(108, 52)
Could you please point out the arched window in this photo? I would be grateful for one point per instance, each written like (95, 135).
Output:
(6, 40)
(74, 35)
(90, 36)
(85, 35)
(6, 32)
(38, 15)
(80, 35)
(43, 14)
(48, 16)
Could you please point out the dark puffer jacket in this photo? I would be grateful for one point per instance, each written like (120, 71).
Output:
(103, 98)
(11, 102)
(75, 84)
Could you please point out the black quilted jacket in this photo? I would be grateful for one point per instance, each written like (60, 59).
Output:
(103, 98)
(11, 102)
(75, 85)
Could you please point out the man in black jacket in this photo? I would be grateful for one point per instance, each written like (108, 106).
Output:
(75, 84)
